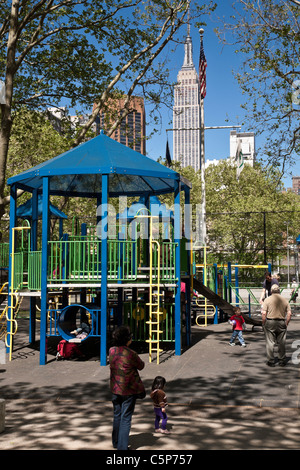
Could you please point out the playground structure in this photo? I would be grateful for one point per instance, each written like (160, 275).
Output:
(223, 281)
(127, 267)
(221, 288)
(133, 280)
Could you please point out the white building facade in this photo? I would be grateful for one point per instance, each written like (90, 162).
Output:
(246, 141)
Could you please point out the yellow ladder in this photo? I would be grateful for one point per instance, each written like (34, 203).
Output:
(155, 312)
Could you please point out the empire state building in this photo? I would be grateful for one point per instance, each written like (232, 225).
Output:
(186, 111)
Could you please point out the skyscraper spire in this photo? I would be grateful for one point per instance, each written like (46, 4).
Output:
(188, 50)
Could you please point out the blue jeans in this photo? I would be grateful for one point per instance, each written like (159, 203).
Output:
(239, 334)
(123, 411)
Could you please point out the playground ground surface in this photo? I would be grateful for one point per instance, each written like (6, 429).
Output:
(220, 397)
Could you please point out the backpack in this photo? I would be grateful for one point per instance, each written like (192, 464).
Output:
(66, 350)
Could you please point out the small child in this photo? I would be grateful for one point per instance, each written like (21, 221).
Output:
(84, 330)
(159, 399)
(238, 325)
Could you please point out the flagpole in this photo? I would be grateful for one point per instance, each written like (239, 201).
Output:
(202, 156)
(239, 158)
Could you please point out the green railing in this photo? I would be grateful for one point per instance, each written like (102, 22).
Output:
(78, 260)
(136, 316)
(122, 260)
(19, 271)
(4, 255)
(83, 259)
(34, 270)
(167, 261)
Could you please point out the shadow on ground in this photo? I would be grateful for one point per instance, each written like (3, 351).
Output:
(220, 398)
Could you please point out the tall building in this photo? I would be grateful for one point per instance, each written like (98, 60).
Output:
(246, 142)
(186, 111)
(296, 184)
(132, 131)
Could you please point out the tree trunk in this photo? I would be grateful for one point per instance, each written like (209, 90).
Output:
(6, 118)
(4, 141)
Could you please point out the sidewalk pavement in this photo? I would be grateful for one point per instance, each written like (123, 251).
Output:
(220, 397)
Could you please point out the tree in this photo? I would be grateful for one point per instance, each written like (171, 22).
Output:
(81, 52)
(267, 33)
(247, 219)
(33, 141)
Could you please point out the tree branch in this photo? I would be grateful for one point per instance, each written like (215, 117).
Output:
(104, 96)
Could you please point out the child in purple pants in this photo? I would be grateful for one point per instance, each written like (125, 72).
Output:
(159, 399)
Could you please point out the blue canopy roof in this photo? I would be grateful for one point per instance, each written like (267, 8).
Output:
(78, 171)
(25, 210)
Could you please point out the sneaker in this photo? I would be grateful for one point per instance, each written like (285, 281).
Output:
(270, 364)
(231, 344)
(164, 431)
(282, 363)
(243, 345)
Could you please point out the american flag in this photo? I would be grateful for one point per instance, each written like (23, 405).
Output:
(202, 71)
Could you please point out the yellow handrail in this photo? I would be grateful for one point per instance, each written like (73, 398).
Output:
(206, 313)
(2, 325)
(11, 307)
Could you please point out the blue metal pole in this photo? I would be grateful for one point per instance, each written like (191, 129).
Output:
(187, 228)
(104, 234)
(177, 238)
(237, 286)
(45, 233)
(270, 267)
(34, 224)
(229, 283)
(216, 291)
(12, 223)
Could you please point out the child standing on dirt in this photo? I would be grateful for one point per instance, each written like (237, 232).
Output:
(159, 399)
(238, 325)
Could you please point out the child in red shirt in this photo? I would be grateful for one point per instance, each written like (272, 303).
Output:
(238, 325)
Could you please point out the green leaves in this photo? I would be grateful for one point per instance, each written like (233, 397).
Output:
(240, 214)
(268, 35)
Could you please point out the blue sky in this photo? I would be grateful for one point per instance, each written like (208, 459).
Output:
(222, 105)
